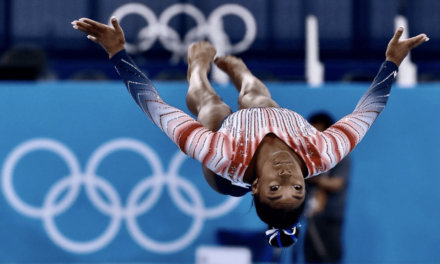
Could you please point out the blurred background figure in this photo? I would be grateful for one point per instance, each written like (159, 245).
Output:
(326, 209)
(24, 62)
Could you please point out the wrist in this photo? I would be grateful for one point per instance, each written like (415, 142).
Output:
(394, 60)
(112, 52)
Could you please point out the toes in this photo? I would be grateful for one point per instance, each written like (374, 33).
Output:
(221, 62)
(218, 59)
(227, 59)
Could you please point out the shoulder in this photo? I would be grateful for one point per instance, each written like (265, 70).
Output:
(222, 185)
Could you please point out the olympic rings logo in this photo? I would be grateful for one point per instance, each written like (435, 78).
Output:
(211, 28)
(135, 206)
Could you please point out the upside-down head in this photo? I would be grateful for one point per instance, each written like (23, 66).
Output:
(279, 197)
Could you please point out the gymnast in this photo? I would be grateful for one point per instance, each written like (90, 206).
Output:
(262, 148)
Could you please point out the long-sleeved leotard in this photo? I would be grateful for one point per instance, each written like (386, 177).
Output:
(228, 151)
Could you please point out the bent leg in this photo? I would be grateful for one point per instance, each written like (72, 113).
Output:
(201, 98)
(204, 103)
(253, 93)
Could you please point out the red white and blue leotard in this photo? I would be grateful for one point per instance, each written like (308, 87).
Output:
(228, 151)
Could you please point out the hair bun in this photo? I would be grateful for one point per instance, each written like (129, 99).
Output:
(283, 237)
(280, 219)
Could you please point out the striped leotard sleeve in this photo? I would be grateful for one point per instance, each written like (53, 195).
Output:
(341, 138)
(189, 135)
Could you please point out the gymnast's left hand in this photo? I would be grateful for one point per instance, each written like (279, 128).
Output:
(398, 49)
(110, 38)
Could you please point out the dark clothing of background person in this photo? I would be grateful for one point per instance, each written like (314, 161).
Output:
(323, 242)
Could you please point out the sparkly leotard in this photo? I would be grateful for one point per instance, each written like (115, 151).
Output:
(228, 151)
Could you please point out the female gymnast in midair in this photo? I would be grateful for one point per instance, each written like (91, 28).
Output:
(262, 147)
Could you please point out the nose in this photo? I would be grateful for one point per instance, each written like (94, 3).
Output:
(284, 172)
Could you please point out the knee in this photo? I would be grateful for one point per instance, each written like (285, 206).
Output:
(196, 100)
(202, 98)
(254, 85)
(207, 103)
(215, 110)
(250, 100)
(212, 102)
(211, 99)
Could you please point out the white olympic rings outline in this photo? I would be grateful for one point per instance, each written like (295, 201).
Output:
(71, 185)
(211, 28)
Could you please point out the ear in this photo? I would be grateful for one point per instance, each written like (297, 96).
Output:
(255, 187)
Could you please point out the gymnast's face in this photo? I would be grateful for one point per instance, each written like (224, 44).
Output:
(280, 181)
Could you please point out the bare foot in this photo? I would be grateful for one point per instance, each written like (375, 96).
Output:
(200, 56)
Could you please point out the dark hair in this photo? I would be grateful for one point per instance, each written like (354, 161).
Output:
(322, 117)
(279, 218)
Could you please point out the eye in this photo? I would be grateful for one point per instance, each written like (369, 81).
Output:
(274, 188)
(297, 187)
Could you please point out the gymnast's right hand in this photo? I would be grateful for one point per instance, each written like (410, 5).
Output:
(110, 38)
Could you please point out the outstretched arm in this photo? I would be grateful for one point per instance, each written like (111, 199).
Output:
(190, 136)
(343, 136)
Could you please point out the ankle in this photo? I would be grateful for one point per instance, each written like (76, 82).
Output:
(199, 70)
(198, 73)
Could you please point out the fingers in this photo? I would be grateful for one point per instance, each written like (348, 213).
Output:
(397, 35)
(93, 23)
(86, 28)
(92, 38)
(89, 26)
(417, 40)
(116, 25)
